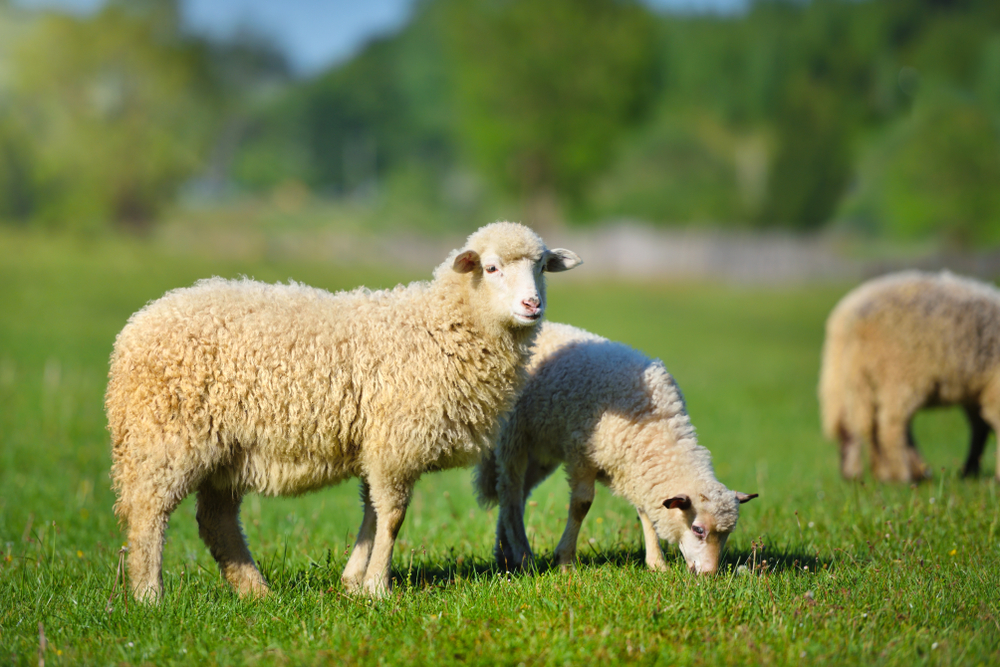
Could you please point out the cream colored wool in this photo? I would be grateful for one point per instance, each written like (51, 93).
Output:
(899, 343)
(229, 387)
(610, 414)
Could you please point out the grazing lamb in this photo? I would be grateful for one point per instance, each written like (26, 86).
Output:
(901, 342)
(610, 414)
(229, 387)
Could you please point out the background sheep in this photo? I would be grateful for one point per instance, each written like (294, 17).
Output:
(235, 386)
(901, 342)
(611, 415)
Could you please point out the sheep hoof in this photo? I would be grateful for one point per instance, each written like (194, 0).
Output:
(148, 595)
(253, 590)
(377, 589)
(566, 563)
(353, 585)
(509, 562)
(526, 564)
(657, 565)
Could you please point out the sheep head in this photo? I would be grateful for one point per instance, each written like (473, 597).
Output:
(505, 262)
(700, 524)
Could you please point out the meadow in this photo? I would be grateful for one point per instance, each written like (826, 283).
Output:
(819, 570)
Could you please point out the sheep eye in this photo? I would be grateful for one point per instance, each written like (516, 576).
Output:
(698, 530)
(491, 269)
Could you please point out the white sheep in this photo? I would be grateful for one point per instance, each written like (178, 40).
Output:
(610, 414)
(899, 343)
(229, 387)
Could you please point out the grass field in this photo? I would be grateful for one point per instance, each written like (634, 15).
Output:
(838, 573)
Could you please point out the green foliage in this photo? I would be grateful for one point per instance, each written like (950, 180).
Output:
(102, 118)
(933, 176)
(811, 165)
(342, 131)
(545, 90)
(682, 171)
(837, 572)
(16, 193)
(791, 114)
(113, 115)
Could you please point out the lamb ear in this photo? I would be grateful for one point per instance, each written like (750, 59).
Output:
(745, 497)
(466, 261)
(561, 259)
(681, 502)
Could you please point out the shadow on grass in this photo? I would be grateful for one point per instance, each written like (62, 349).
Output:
(423, 575)
(756, 559)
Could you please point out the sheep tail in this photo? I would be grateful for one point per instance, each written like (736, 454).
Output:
(486, 480)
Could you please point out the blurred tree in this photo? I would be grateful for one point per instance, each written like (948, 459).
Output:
(601, 105)
(102, 118)
(115, 109)
(680, 170)
(826, 98)
(933, 176)
(15, 181)
(757, 117)
(340, 132)
(545, 89)
(811, 166)
(16, 190)
(736, 119)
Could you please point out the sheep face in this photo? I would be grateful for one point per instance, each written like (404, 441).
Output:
(700, 525)
(506, 263)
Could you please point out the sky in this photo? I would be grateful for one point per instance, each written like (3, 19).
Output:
(317, 33)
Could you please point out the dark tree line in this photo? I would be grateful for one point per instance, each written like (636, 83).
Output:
(880, 116)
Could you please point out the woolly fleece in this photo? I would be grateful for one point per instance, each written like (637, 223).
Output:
(229, 387)
(610, 414)
(902, 342)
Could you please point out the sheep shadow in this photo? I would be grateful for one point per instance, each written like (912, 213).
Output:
(756, 560)
(425, 576)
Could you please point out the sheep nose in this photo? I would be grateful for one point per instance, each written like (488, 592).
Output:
(531, 304)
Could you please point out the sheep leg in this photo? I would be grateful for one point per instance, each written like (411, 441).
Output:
(581, 497)
(152, 481)
(654, 554)
(980, 432)
(989, 409)
(893, 461)
(219, 527)
(918, 469)
(512, 550)
(146, 528)
(354, 573)
(390, 499)
(510, 529)
(147, 525)
(850, 454)
(535, 474)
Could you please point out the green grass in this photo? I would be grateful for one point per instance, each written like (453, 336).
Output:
(838, 573)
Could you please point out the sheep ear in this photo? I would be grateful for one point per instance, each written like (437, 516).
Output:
(681, 502)
(561, 259)
(745, 497)
(466, 261)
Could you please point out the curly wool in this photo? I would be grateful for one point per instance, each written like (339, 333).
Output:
(280, 389)
(901, 342)
(610, 413)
